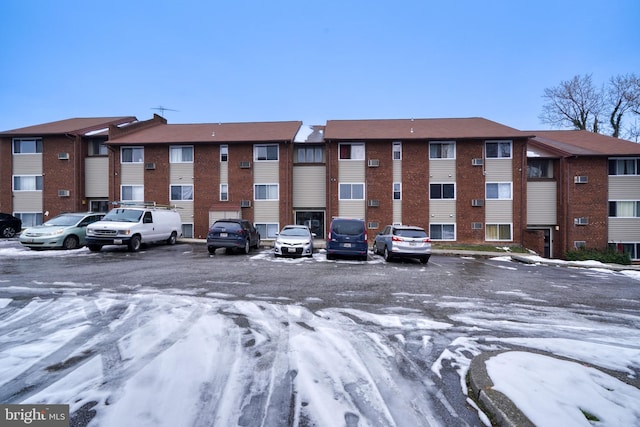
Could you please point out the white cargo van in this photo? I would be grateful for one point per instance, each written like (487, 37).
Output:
(132, 225)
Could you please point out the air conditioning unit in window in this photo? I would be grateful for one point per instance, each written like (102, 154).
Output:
(477, 162)
(63, 156)
(150, 166)
(373, 203)
(477, 202)
(63, 193)
(583, 220)
(374, 163)
(245, 203)
(245, 165)
(580, 179)
(476, 226)
(373, 225)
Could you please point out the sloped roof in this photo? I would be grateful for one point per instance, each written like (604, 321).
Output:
(211, 132)
(583, 143)
(453, 128)
(75, 126)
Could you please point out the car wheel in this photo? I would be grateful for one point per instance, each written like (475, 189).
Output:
(8, 232)
(375, 248)
(247, 246)
(424, 259)
(387, 255)
(71, 242)
(212, 250)
(257, 245)
(94, 248)
(172, 239)
(134, 244)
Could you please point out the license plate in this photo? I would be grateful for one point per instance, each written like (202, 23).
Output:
(412, 244)
(117, 241)
(223, 234)
(291, 249)
(347, 245)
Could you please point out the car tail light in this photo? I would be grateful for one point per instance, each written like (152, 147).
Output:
(329, 236)
(427, 240)
(397, 239)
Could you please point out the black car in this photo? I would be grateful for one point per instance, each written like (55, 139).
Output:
(232, 234)
(9, 225)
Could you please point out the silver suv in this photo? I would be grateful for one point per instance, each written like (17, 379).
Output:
(397, 241)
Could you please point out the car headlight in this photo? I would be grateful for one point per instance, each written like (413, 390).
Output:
(89, 232)
(56, 232)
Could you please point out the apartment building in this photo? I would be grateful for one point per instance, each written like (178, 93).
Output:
(56, 167)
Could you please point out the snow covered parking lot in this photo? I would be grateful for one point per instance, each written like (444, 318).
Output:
(172, 337)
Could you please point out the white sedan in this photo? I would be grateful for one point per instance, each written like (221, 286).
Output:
(294, 240)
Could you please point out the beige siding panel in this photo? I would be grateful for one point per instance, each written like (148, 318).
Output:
(27, 164)
(351, 171)
(397, 171)
(623, 187)
(266, 211)
(441, 211)
(27, 201)
(224, 172)
(216, 215)
(96, 179)
(442, 170)
(397, 211)
(265, 172)
(185, 209)
(132, 174)
(309, 187)
(624, 230)
(542, 205)
(352, 208)
(498, 170)
(181, 173)
(498, 211)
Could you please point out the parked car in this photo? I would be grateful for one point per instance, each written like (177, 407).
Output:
(9, 225)
(294, 240)
(397, 241)
(232, 234)
(65, 231)
(347, 237)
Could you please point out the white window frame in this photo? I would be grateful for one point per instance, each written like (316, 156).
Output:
(455, 195)
(179, 158)
(133, 161)
(269, 192)
(624, 159)
(499, 143)
(360, 152)
(634, 205)
(189, 233)
(224, 153)
(21, 177)
(486, 232)
(259, 147)
(396, 151)
(224, 192)
(441, 144)
(273, 226)
(133, 188)
(441, 225)
(182, 192)
(36, 141)
(314, 153)
(500, 185)
(351, 184)
(396, 190)
(38, 218)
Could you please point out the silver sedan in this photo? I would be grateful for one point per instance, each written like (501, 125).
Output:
(294, 240)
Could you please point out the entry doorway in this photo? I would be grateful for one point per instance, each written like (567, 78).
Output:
(312, 219)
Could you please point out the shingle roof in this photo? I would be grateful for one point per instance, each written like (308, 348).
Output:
(584, 143)
(75, 126)
(454, 128)
(212, 132)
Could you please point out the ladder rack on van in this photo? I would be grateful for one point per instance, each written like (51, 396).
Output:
(146, 205)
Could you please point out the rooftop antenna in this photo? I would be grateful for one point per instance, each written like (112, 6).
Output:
(162, 109)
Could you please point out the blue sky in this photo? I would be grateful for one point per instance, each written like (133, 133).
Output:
(236, 61)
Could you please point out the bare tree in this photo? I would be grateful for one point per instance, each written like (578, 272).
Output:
(575, 103)
(623, 96)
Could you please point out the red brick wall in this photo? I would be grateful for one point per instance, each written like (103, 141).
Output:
(206, 186)
(470, 184)
(61, 175)
(156, 181)
(379, 183)
(519, 190)
(285, 172)
(6, 183)
(332, 181)
(241, 180)
(415, 183)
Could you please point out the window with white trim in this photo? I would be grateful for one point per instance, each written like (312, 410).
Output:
(310, 154)
(224, 192)
(496, 232)
(27, 145)
(97, 147)
(624, 209)
(187, 230)
(29, 219)
(265, 152)
(27, 183)
(442, 231)
(133, 193)
(181, 154)
(351, 151)
(351, 191)
(442, 150)
(498, 149)
(181, 192)
(442, 191)
(267, 230)
(397, 191)
(132, 155)
(627, 166)
(266, 192)
(498, 190)
(397, 150)
(224, 153)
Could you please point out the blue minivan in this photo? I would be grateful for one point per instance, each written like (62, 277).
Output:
(348, 238)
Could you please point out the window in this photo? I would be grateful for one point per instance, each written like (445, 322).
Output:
(442, 231)
(181, 154)
(539, 168)
(182, 192)
(224, 192)
(351, 191)
(27, 183)
(351, 151)
(97, 147)
(442, 191)
(265, 192)
(625, 209)
(312, 154)
(624, 167)
(397, 151)
(267, 230)
(632, 248)
(29, 219)
(224, 153)
(27, 145)
(499, 190)
(397, 191)
(132, 193)
(132, 155)
(187, 231)
(442, 150)
(498, 150)
(265, 152)
(498, 232)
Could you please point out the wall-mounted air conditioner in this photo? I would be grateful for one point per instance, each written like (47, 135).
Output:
(373, 225)
(245, 165)
(245, 203)
(581, 179)
(583, 220)
(477, 202)
(150, 166)
(63, 156)
(63, 193)
(476, 226)
(477, 162)
(373, 203)
(373, 163)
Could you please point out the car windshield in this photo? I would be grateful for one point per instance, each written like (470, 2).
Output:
(123, 215)
(294, 232)
(228, 226)
(350, 228)
(63, 220)
(410, 232)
